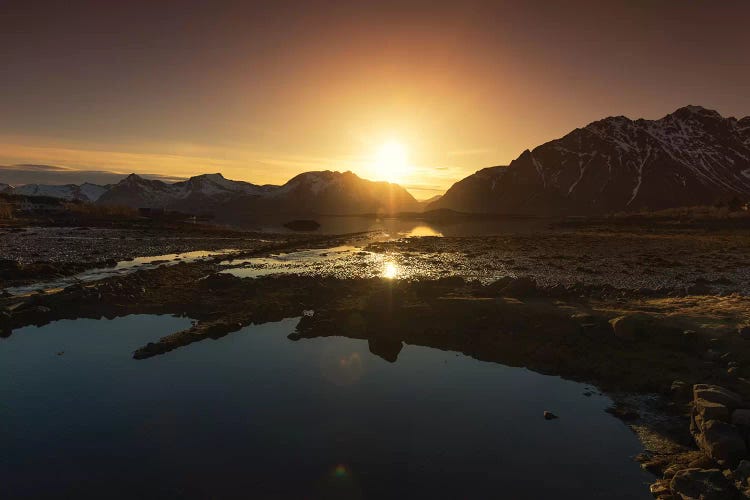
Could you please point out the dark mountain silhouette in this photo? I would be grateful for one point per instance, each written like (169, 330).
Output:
(693, 156)
(323, 192)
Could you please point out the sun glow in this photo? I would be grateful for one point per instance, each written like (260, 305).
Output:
(392, 161)
(390, 270)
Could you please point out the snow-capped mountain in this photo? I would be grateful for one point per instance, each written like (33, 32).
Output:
(322, 192)
(312, 192)
(84, 192)
(693, 156)
(199, 193)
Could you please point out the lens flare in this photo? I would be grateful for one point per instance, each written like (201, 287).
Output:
(340, 471)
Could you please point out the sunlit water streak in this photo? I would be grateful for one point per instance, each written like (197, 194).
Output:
(121, 268)
(344, 262)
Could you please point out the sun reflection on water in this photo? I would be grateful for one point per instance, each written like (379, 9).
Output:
(390, 270)
(423, 230)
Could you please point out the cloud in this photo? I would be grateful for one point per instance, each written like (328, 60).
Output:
(47, 168)
(17, 175)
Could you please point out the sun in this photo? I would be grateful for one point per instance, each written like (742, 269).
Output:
(392, 161)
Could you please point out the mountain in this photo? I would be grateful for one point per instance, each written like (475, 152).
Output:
(199, 194)
(311, 192)
(693, 156)
(84, 192)
(431, 199)
(327, 192)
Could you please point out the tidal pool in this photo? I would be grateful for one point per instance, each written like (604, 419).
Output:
(256, 415)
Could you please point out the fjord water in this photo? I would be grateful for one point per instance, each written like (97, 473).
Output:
(256, 415)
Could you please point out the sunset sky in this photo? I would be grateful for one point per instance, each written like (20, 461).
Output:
(261, 91)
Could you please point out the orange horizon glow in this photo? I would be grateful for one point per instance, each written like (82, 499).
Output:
(263, 92)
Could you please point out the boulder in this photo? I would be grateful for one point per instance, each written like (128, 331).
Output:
(741, 475)
(721, 442)
(680, 390)
(708, 410)
(631, 326)
(741, 417)
(514, 287)
(702, 484)
(660, 489)
(716, 394)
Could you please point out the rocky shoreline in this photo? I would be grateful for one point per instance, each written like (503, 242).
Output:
(663, 357)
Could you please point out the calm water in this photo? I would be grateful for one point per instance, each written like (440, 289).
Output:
(395, 227)
(255, 415)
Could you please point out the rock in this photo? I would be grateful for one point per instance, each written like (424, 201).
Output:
(741, 475)
(631, 326)
(744, 331)
(673, 469)
(741, 417)
(496, 287)
(716, 394)
(702, 484)
(721, 442)
(708, 410)
(548, 415)
(660, 489)
(680, 390)
(520, 288)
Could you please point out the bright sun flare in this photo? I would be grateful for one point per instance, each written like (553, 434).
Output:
(392, 161)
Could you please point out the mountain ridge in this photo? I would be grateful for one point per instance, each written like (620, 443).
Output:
(316, 192)
(692, 156)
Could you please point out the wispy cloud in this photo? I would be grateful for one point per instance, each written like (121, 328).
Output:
(42, 160)
(17, 175)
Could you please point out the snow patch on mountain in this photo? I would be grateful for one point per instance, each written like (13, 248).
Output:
(689, 157)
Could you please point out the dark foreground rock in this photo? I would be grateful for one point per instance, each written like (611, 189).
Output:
(702, 484)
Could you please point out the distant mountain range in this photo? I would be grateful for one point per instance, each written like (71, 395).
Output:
(693, 156)
(324, 192)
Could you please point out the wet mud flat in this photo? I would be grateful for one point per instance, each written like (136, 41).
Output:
(699, 260)
(646, 350)
(32, 254)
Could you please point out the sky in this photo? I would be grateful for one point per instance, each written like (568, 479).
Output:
(261, 91)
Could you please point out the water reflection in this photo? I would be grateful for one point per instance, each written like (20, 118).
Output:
(434, 424)
(342, 368)
(422, 230)
(390, 270)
